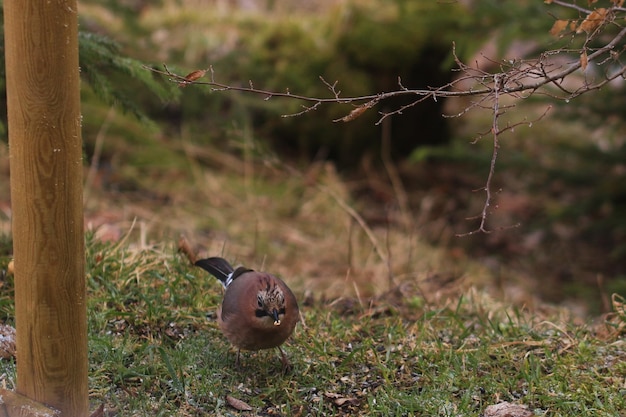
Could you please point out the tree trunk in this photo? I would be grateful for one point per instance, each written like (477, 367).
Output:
(43, 96)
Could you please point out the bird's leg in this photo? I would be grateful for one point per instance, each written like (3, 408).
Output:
(284, 360)
(237, 364)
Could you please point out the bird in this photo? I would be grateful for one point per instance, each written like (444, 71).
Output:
(258, 310)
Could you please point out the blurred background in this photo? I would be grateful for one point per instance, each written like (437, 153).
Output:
(350, 208)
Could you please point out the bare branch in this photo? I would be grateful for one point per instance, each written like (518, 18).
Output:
(513, 82)
(331, 87)
(306, 109)
(519, 78)
(496, 131)
(571, 6)
(497, 82)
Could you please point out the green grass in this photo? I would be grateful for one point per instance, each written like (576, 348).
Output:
(155, 350)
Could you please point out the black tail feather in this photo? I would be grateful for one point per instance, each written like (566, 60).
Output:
(218, 267)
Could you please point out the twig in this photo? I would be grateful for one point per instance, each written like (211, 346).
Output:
(496, 131)
(350, 211)
(498, 80)
(441, 92)
(518, 78)
(359, 219)
(97, 152)
(571, 6)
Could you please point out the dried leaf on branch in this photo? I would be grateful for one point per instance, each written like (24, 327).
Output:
(583, 60)
(357, 112)
(593, 21)
(558, 27)
(193, 76)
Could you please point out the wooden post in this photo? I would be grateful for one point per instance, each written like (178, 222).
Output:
(43, 98)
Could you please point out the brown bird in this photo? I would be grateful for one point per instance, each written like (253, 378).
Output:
(258, 311)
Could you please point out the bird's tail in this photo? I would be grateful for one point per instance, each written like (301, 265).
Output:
(218, 267)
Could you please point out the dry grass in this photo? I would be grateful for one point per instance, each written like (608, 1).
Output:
(302, 225)
(391, 326)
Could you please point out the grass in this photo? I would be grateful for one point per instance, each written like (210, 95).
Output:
(391, 325)
(155, 350)
(434, 340)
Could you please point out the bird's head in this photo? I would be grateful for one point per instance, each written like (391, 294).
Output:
(270, 302)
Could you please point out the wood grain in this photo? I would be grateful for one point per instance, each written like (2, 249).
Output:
(15, 405)
(43, 96)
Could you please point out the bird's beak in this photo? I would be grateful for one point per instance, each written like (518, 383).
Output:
(275, 316)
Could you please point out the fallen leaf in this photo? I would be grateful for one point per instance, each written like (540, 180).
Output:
(614, 323)
(185, 248)
(99, 412)
(507, 409)
(237, 404)
(7, 341)
(339, 400)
